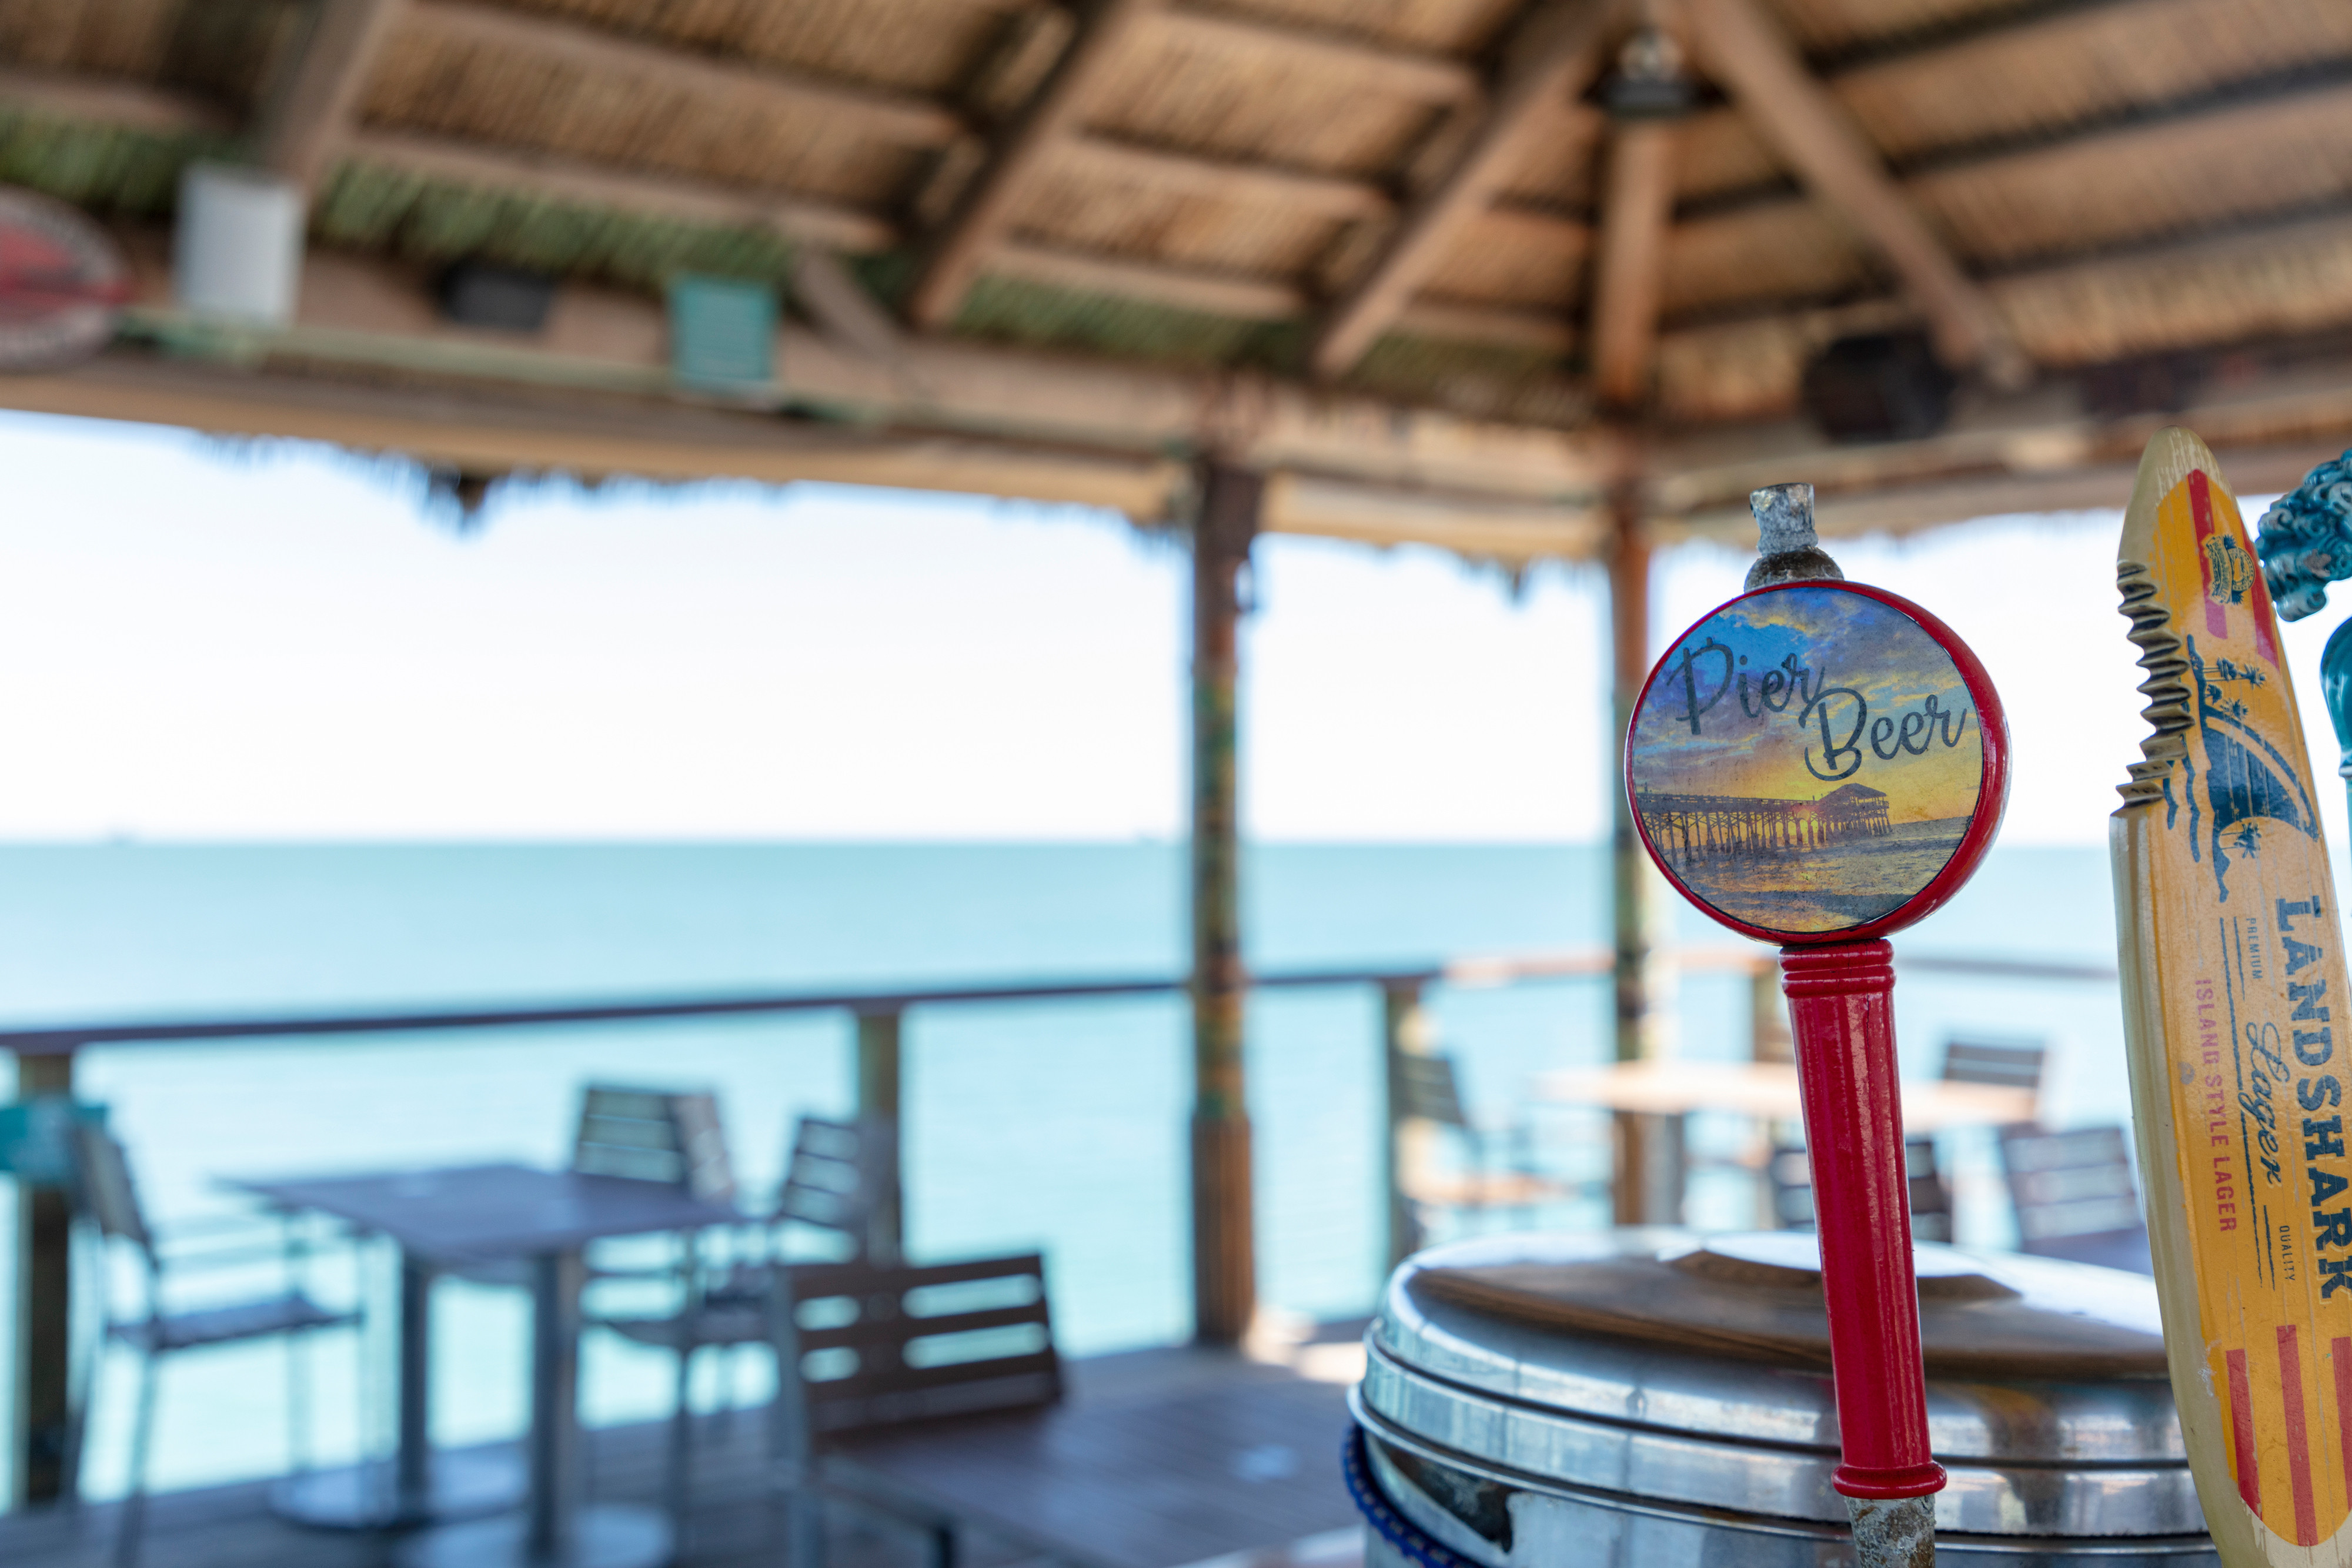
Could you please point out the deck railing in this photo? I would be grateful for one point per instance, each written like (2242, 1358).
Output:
(45, 1060)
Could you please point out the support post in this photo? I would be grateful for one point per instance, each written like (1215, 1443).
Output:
(1224, 1283)
(44, 1400)
(1406, 1031)
(878, 1035)
(1647, 1187)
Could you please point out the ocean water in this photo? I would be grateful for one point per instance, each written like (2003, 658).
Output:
(1049, 1125)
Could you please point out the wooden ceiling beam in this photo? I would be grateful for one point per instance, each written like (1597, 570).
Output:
(360, 316)
(532, 175)
(1554, 54)
(985, 216)
(1637, 204)
(1749, 54)
(313, 105)
(1248, 298)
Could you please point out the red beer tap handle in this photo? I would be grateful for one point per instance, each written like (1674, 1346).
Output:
(1841, 1005)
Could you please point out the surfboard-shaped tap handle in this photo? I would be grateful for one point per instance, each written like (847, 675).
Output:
(2232, 974)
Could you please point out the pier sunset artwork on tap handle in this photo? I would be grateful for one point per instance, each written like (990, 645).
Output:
(1815, 764)
(1810, 758)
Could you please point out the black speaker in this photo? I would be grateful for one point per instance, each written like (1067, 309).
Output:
(1878, 386)
(484, 294)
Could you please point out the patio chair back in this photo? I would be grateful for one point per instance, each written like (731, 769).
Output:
(2010, 1066)
(834, 1177)
(1792, 1173)
(2069, 1188)
(862, 1346)
(103, 1185)
(654, 1134)
(1427, 1087)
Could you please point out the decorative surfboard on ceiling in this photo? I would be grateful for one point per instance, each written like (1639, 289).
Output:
(2226, 920)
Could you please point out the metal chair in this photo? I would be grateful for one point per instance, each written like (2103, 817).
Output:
(2012, 1065)
(1428, 1089)
(1790, 1170)
(109, 1202)
(862, 1347)
(2076, 1197)
(837, 1176)
(672, 1136)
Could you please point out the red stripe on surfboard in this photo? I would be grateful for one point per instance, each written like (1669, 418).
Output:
(2241, 1433)
(2201, 507)
(2342, 1347)
(2265, 623)
(2298, 1440)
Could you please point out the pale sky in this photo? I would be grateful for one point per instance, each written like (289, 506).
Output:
(201, 642)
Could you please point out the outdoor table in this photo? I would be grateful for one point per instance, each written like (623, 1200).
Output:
(1674, 1088)
(1767, 1091)
(499, 1213)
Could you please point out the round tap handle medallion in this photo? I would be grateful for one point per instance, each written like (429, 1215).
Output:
(1818, 761)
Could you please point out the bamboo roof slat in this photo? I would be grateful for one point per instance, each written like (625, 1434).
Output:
(2201, 171)
(1208, 93)
(1437, 26)
(2266, 281)
(1125, 222)
(544, 179)
(1377, 69)
(1837, 26)
(2084, 65)
(1508, 256)
(2030, 82)
(112, 37)
(1792, 249)
(2274, 281)
(904, 119)
(2196, 173)
(1561, 169)
(1241, 297)
(1226, 180)
(467, 83)
(924, 47)
(1722, 153)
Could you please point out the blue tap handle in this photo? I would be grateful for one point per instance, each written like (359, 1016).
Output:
(2306, 543)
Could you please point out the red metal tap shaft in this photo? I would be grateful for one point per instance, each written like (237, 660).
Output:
(1841, 1005)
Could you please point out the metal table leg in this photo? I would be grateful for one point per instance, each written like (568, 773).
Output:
(554, 1531)
(416, 1486)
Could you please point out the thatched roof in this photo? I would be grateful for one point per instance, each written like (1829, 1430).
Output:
(1412, 200)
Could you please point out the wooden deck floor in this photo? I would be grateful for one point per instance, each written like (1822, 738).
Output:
(1158, 1460)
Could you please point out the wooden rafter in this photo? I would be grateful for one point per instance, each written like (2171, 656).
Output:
(370, 316)
(1638, 201)
(594, 185)
(1269, 300)
(1554, 52)
(311, 113)
(1747, 53)
(984, 216)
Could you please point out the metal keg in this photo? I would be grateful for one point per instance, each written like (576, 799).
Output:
(1654, 1398)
